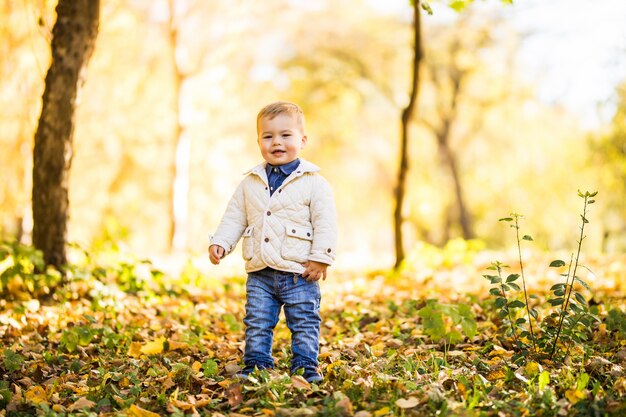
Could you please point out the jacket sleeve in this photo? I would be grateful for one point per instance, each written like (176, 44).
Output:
(324, 222)
(233, 223)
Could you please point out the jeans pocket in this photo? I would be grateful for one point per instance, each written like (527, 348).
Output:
(248, 243)
(297, 243)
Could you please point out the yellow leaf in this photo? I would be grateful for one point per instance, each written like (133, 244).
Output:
(134, 350)
(532, 369)
(379, 349)
(196, 366)
(495, 375)
(268, 412)
(135, 411)
(382, 412)
(210, 336)
(153, 348)
(124, 382)
(36, 395)
(177, 345)
(180, 404)
(574, 395)
(407, 403)
(620, 385)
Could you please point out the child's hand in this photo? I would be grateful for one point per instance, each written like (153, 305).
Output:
(216, 253)
(313, 271)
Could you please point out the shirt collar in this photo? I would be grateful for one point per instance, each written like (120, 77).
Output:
(286, 169)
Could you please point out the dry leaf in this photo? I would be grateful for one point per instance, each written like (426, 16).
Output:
(382, 412)
(135, 411)
(36, 395)
(407, 403)
(153, 348)
(299, 382)
(134, 350)
(344, 406)
(574, 395)
(233, 393)
(81, 403)
(363, 413)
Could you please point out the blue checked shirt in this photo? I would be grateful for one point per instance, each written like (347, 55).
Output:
(276, 175)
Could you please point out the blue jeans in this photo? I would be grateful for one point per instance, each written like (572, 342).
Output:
(267, 291)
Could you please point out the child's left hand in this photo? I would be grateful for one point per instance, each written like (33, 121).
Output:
(313, 271)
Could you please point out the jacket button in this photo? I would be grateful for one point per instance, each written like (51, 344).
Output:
(329, 250)
(267, 239)
(293, 230)
(269, 213)
(308, 234)
(280, 191)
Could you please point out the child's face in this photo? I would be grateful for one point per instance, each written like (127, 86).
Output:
(280, 139)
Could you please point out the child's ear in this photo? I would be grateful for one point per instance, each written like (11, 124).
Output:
(304, 139)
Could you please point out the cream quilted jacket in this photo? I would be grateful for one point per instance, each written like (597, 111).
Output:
(296, 224)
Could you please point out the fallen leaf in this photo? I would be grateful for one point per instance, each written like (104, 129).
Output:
(495, 375)
(81, 403)
(36, 395)
(299, 382)
(135, 411)
(153, 348)
(382, 412)
(532, 369)
(134, 350)
(344, 406)
(233, 393)
(407, 403)
(363, 413)
(574, 395)
(173, 345)
(196, 366)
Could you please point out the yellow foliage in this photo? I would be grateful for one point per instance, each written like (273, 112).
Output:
(382, 412)
(135, 411)
(36, 395)
(574, 395)
(532, 369)
(154, 347)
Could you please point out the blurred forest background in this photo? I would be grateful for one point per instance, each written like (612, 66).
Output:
(166, 121)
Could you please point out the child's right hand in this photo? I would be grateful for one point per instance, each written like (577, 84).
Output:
(216, 253)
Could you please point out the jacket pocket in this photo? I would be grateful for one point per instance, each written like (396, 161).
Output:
(248, 243)
(297, 244)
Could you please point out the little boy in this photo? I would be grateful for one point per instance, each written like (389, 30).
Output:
(285, 212)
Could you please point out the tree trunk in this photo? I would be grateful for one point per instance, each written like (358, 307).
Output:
(407, 114)
(449, 159)
(461, 208)
(73, 40)
(179, 198)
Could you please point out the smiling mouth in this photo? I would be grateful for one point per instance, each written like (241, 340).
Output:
(279, 152)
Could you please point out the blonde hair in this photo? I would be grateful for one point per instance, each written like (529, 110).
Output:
(281, 107)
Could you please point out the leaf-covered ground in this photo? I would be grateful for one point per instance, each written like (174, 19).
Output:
(127, 340)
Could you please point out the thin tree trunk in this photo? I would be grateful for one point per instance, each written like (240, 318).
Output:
(179, 206)
(461, 208)
(73, 41)
(407, 115)
(449, 159)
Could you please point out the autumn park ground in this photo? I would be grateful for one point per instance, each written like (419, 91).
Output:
(117, 336)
